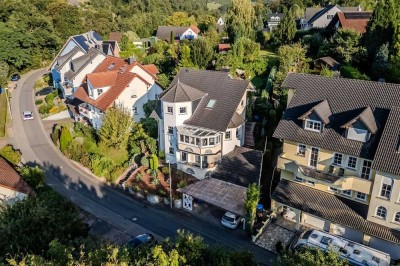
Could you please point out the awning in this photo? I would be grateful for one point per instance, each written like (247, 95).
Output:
(219, 193)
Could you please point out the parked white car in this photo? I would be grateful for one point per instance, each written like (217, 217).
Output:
(27, 115)
(231, 220)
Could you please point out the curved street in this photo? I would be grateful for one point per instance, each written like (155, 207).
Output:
(102, 201)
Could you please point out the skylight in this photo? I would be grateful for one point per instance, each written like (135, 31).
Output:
(111, 66)
(211, 103)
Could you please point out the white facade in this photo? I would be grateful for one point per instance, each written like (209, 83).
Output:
(10, 196)
(89, 68)
(188, 34)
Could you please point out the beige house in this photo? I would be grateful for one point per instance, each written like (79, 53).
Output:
(340, 164)
(12, 187)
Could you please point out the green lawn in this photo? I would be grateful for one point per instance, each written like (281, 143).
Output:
(3, 114)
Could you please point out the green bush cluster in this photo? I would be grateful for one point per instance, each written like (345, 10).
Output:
(38, 101)
(165, 170)
(144, 161)
(45, 108)
(153, 162)
(161, 155)
(10, 154)
(65, 138)
(352, 73)
(50, 97)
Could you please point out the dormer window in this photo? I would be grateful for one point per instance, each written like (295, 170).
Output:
(99, 91)
(361, 126)
(211, 103)
(313, 125)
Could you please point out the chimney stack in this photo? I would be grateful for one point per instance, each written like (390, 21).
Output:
(131, 60)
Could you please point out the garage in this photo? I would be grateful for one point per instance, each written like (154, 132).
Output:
(317, 222)
(385, 246)
(347, 232)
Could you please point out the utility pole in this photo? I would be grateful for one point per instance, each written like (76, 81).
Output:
(170, 184)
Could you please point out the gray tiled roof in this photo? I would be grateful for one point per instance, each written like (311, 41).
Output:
(333, 208)
(79, 63)
(387, 156)
(367, 117)
(347, 99)
(320, 13)
(62, 60)
(241, 166)
(181, 92)
(218, 86)
(164, 32)
(322, 109)
(236, 121)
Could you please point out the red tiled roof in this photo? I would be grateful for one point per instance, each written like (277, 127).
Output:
(111, 63)
(357, 24)
(195, 29)
(152, 69)
(102, 79)
(10, 178)
(223, 47)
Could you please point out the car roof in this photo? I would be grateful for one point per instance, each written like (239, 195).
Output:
(27, 112)
(230, 215)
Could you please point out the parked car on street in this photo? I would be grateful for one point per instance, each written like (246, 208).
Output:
(45, 91)
(142, 240)
(15, 77)
(27, 115)
(231, 220)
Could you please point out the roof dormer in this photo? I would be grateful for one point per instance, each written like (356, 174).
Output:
(361, 126)
(317, 117)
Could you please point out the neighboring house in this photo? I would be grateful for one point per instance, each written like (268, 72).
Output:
(356, 21)
(70, 69)
(77, 46)
(12, 187)
(224, 47)
(274, 19)
(327, 62)
(145, 42)
(321, 17)
(340, 166)
(201, 117)
(116, 36)
(180, 33)
(116, 82)
(152, 69)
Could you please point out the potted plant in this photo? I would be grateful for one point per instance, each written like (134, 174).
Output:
(153, 198)
(138, 191)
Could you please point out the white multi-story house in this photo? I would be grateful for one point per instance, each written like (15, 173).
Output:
(79, 56)
(180, 33)
(201, 117)
(116, 82)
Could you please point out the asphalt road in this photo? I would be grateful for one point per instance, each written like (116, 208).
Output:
(102, 201)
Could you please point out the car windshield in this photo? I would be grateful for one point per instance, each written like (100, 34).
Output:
(228, 219)
(28, 115)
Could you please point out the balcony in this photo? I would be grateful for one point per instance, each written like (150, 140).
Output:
(204, 165)
(84, 110)
(67, 88)
(343, 181)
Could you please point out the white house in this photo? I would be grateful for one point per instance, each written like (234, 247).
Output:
(12, 187)
(180, 33)
(201, 117)
(116, 82)
(74, 51)
(321, 17)
(274, 19)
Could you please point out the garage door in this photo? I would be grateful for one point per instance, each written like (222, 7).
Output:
(385, 246)
(317, 222)
(348, 233)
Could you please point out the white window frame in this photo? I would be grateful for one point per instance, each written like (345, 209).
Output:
(394, 217)
(168, 110)
(361, 198)
(362, 168)
(169, 133)
(334, 158)
(348, 160)
(347, 195)
(383, 209)
(309, 159)
(184, 109)
(230, 135)
(386, 191)
(134, 109)
(299, 148)
(333, 189)
(171, 149)
(313, 125)
(298, 179)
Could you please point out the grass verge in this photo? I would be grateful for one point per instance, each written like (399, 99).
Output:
(3, 114)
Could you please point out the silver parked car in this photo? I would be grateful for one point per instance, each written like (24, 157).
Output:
(27, 115)
(231, 220)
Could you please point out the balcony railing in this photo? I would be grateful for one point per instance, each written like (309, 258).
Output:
(324, 176)
(197, 164)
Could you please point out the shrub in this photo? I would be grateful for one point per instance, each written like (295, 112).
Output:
(139, 177)
(65, 138)
(38, 101)
(162, 193)
(102, 166)
(55, 135)
(148, 171)
(135, 188)
(45, 108)
(11, 155)
(161, 155)
(155, 181)
(165, 170)
(154, 173)
(85, 131)
(151, 163)
(352, 73)
(151, 145)
(155, 161)
(50, 97)
(34, 176)
(53, 109)
(144, 161)
(182, 183)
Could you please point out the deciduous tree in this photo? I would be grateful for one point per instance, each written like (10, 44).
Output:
(240, 20)
(311, 257)
(116, 127)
